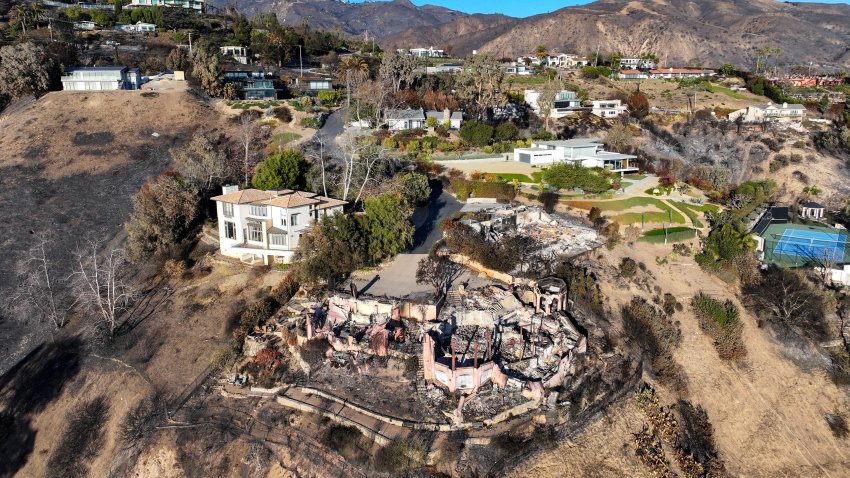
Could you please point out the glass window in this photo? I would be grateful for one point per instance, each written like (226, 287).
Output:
(283, 217)
(259, 211)
(228, 209)
(277, 239)
(255, 233)
(293, 220)
(229, 230)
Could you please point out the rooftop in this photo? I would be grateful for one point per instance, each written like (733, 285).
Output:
(285, 198)
(572, 143)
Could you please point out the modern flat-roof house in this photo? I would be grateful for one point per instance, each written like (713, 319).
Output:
(85, 25)
(608, 108)
(251, 84)
(101, 78)
(671, 73)
(138, 27)
(518, 69)
(429, 52)
(632, 75)
(566, 103)
(566, 60)
(770, 113)
(444, 68)
(255, 225)
(586, 152)
(313, 84)
(399, 120)
(634, 63)
(188, 4)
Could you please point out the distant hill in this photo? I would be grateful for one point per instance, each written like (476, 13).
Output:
(680, 32)
(708, 32)
(379, 19)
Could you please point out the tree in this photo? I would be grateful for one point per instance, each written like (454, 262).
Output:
(638, 104)
(284, 170)
(541, 52)
(415, 189)
(98, 282)
(619, 138)
(247, 135)
(207, 71)
(546, 100)
(549, 200)
(41, 289)
(480, 84)
(786, 298)
(164, 210)
(386, 226)
(361, 159)
(352, 71)
(437, 271)
(728, 70)
(824, 104)
(330, 251)
(398, 69)
(26, 69)
(178, 59)
(506, 132)
(204, 160)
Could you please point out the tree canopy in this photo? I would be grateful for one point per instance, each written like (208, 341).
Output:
(283, 170)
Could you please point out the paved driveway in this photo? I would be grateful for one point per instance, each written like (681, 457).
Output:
(427, 219)
(332, 129)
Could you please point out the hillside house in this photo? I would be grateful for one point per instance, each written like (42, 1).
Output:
(565, 60)
(635, 63)
(632, 75)
(101, 78)
(566, 103)
(313, 84)
(518, 69)
(251, 84)
(429, 52)
(771, 113)
(673, 73)
(608, 108)
(255, 225)
(85, 25)
(138, 27)
(238, 54)
(197, 5)
(586, 152)
(444, 68)
(399, 120)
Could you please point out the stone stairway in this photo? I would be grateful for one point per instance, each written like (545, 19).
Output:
(454, 298)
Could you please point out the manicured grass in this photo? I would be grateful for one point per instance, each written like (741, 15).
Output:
(636, 177)
(674, 234)
(245, 104)
(527, 80)
(662, 190)
(693, 211)
(511, 176)
(665, 213)
(726, 91)
(538, 176)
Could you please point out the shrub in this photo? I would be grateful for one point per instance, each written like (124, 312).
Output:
(389, 143)
(283, 114)
(506, 132)
(476, 134)
(569, 176)
(549, 200)
(594, 214)
(488, 149)
(314, 122)
(415, 189)
(442, 131)
(399, 457)
(445, 147)
(656, 336)
(329, 97)
(628, 268)
(721, 321)
(431, 122)
(81, 441)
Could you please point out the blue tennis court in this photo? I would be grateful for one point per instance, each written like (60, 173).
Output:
(811, 244)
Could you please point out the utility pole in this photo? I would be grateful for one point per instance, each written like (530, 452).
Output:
(300, 61)
(596, 61)
(190, 43)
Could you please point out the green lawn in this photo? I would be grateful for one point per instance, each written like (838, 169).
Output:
(635, 177)
(674, 234)
(693, 211)
(246, 104)
(527, 80)
(665, 213)
(726, 91)
(511, 176)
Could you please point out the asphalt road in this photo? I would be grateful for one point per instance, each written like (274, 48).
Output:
(427, 219)
(332, 129)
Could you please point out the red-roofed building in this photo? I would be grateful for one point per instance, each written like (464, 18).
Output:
(632, 75)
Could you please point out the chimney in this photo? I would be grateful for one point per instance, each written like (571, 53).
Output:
(230, 189)
(784, 105)
(447, 115)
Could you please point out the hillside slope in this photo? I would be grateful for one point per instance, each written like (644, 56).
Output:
(694, 32)
(379, 19)
(71, 162)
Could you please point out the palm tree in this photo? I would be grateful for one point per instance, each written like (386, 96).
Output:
(21, 14)
(352, 70)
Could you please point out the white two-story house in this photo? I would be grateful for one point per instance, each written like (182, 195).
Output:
(608, 108)
(266, 226)
(771, 113)
(586, 152)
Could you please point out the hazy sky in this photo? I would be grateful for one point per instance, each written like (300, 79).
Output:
(518, 8)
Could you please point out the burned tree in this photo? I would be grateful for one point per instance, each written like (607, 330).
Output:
(99, 283)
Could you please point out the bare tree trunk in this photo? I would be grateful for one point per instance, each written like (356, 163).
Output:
(99, 283)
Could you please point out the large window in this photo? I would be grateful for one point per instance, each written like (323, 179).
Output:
(293, 220)
(227, 208)
(255, 233)
(277, 239)
(229, 230)
(259, 211)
